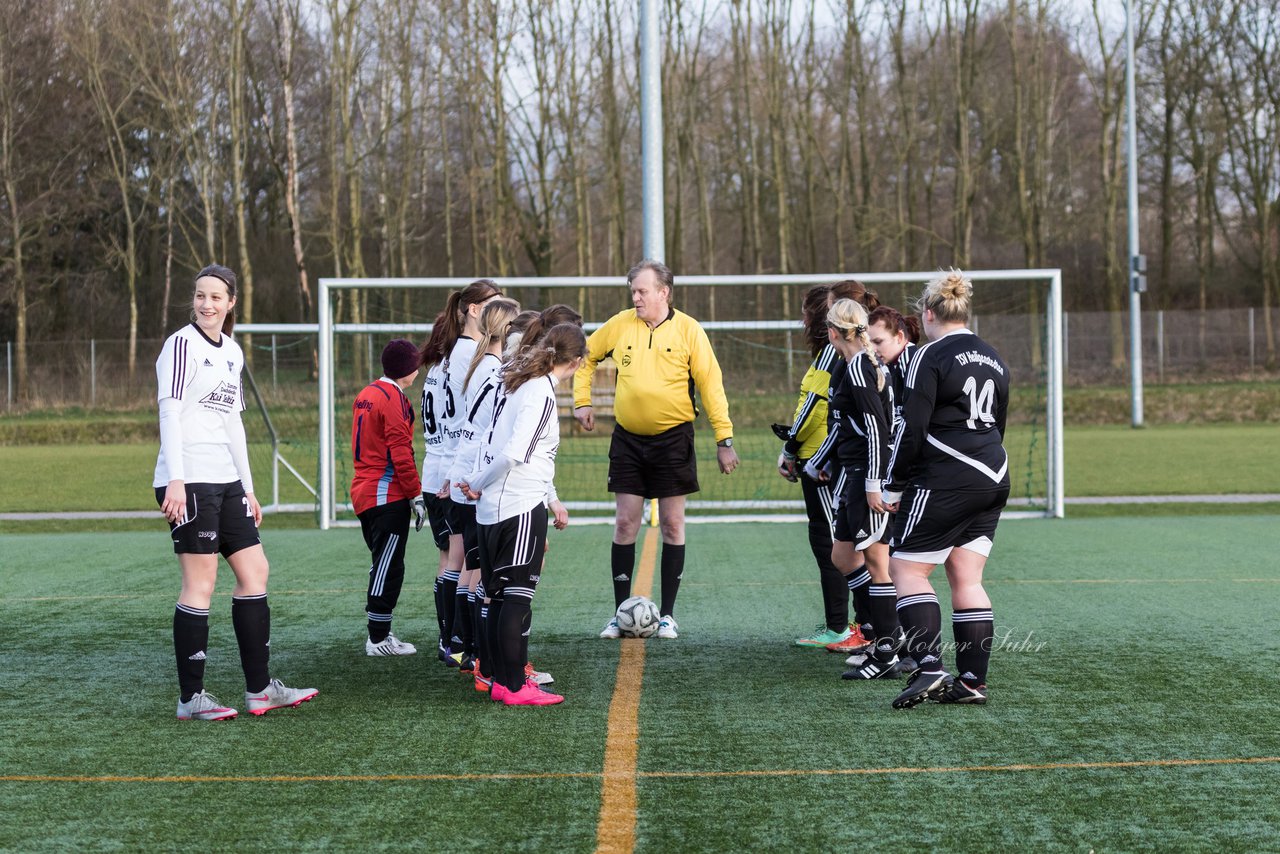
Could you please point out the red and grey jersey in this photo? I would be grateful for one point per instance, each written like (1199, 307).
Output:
(953, 417)
(203, 378)
(382, 447)
(437, 408)
(517, 462)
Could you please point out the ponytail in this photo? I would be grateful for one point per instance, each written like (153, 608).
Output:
(459, 301)
(851, 319)
(495, 319)
(562, 344)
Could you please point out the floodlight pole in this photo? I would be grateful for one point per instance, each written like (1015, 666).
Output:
(651, 130)
(1137, 277)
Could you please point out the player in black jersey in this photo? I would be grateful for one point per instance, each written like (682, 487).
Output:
(895, 338)
(950, 472)
(809, 440)
(862, 407)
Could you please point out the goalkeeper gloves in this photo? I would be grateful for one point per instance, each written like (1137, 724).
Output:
(419, 513)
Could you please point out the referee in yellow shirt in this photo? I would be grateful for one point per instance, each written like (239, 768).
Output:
(661, 355)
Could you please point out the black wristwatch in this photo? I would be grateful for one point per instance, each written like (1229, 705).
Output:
(725, 443)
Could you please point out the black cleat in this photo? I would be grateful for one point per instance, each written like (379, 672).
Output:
(960, 691)
(445, 655)
(883, 664)
(924, 685)
(906, 664)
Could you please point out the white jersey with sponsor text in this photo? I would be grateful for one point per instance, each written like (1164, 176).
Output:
(205, 378)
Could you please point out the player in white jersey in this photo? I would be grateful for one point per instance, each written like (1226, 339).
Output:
(479, 391)
(514, 474)
(436, 406)
(205, 490)
(461, 329)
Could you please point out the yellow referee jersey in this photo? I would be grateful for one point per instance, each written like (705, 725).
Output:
(657, 371)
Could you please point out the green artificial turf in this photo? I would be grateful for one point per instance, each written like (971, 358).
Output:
(1125, 640)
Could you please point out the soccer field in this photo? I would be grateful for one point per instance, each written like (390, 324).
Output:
(1130, 706)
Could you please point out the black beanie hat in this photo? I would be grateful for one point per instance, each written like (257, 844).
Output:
(400, 358)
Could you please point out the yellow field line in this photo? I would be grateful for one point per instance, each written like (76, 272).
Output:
(616, 830)
(581, 775)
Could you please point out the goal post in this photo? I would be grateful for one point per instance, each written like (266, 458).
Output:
(753, 322)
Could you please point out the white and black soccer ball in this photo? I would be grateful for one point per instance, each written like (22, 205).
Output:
(638, 617)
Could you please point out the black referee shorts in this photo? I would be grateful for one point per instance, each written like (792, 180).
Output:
(653, 466)
(218, 520)
(931, 522)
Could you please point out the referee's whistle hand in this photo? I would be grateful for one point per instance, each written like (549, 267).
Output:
(586, 417)
(728, 459)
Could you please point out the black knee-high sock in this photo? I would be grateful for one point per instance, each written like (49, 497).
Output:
(445, 605)
(495, 665)
(190, 645)
(514, 622)
(672, 572)
(462, 621)
(622, 562)
(884, 615)
(482, 638)
(921, 619)
(973, 629)
(435, 595)
(474, 602)
(251, 618)
(860, 586)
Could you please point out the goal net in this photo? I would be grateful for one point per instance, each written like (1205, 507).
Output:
(754, 328)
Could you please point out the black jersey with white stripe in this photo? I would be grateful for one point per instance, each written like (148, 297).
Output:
(862, 412)
(952, 430)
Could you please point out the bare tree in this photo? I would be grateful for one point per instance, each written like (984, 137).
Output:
(1249, 96)
(284, 17)
(115, 88)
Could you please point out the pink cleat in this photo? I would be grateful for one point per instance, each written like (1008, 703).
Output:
(531, 695)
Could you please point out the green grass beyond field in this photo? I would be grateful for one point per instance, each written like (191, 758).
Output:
(1100, 460)
(1131, 706)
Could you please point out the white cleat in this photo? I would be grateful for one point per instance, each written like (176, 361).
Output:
(611, 630)
(667, 627)
(204, 707)
(276, 696)
(391, 645)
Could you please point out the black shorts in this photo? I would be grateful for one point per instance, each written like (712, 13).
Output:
(438, 519)
(931, 522)
(511, 553)
(653, 466)
(218, 520)
(856, 522)
(462, 517)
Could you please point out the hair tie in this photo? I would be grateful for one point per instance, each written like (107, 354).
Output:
(858, 330)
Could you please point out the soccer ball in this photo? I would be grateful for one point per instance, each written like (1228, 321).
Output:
(638, 617)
